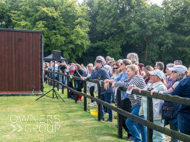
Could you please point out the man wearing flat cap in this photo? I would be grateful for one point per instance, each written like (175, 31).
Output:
(100, 73)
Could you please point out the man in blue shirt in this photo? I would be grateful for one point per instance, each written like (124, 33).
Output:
(101, 74)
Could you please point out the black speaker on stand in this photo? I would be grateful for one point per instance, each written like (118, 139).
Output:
(56, 57)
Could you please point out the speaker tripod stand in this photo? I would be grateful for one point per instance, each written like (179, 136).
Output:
(53, 89)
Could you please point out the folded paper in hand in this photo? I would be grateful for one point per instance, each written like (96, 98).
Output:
(129, 91)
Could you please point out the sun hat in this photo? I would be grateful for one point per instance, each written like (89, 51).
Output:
(159, 73)
(179, 69)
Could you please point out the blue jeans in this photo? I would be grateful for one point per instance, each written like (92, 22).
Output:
(134, 126)
(175, 128)
(183, 124)
(107, 97)
(60, 80)
(65, 80)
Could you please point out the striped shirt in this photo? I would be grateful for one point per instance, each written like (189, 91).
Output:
(137, 81)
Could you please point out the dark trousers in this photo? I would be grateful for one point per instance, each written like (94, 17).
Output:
(92, 92)
(126, 105)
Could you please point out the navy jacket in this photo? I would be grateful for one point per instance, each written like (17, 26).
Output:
(101, 74)
(183, 90)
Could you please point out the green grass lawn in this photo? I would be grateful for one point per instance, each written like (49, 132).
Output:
(51, 120)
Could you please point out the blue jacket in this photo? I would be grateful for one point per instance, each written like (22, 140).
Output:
(183, 90)
(122, 77)
(101, 74)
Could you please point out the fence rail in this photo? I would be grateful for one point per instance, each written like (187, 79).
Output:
(121, 113)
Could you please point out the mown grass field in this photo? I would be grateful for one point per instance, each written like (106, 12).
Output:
(23, 119)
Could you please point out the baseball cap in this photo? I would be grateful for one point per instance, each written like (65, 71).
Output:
(179, 69)
(159, 73)
(111, 60)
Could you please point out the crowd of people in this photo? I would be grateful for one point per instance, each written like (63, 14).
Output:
(174, 80)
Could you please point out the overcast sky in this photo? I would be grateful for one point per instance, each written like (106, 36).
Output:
(158, 2)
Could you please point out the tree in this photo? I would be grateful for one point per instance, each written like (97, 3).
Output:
(148, 31)
(179, 21)
(3, 14)
(63, 24)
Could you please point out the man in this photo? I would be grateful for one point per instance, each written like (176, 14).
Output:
(101, 74)
(178, 62)
(159, 66)
(107, 59)
(111, 62)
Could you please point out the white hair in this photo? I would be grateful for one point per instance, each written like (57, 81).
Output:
(107, 67)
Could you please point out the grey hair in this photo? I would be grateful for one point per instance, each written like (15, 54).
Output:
(107, 67)
(134, 57)
(108, 57)
(181, 75)
(90, 65)
(101, 58)
(170, 65)
(179, 62)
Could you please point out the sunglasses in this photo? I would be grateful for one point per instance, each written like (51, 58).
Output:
(147, 67)
(115, 68)
(174, 72)
(98, 61)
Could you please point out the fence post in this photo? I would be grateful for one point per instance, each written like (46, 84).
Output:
(149, 118)
(119, 116)
(99, 97)
(85, 100)
(68, 78)
(63, 83)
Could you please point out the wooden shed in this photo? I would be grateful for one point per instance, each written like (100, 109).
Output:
(21, 56)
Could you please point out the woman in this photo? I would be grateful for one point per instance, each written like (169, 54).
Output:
(135, 79)
(108, 68)
(169, 80)
(158, 83)
(183, 118)
(125, 102)
(178, 73)
(46, 66)
(79, 84)
(116, 70)
(91, 86)
(134, 59)
(147, 75)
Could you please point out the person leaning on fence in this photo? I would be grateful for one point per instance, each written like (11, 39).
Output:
(178, 73)
(101, 74)
(183, 118)
(134, 79)
(90, 85)
(125, 102)
(116, 70)
(158, 83)
(78, 73)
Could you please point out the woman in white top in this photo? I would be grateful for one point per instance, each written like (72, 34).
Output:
(158, 83)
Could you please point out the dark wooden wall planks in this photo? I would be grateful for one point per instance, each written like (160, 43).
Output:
(20, 56)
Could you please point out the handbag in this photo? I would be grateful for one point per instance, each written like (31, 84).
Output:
(170, 110)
